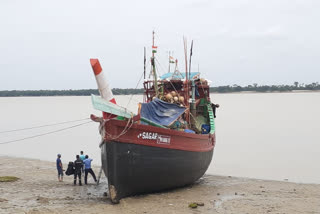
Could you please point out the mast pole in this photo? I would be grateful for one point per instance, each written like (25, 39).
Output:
(169, 62)
(154, 68)
(190, 59)
(144, 64)
(187, 81)
(152, 43)
(193, 111)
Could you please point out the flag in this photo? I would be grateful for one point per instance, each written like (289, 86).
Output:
(171, 59)
(154, 49)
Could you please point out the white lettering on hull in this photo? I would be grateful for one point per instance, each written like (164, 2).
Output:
(161, 139)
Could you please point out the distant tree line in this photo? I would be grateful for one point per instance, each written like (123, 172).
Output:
(80, 92)
(266, 88)
(36, 93)
(120, 91)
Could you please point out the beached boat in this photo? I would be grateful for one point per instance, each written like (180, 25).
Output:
(169, 142)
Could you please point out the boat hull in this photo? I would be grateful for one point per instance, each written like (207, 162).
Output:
(133, 169)
(140, 158)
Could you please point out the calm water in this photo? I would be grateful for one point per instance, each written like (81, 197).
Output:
(269, 136)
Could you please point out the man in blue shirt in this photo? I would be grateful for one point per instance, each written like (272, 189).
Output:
(59, 168)
(87, 169)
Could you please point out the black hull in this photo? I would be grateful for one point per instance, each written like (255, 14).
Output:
(133, 169)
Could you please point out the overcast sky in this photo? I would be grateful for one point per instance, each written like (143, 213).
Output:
(47, 44)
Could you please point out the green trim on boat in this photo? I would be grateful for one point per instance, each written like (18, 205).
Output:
(111, 108)
(211, 118)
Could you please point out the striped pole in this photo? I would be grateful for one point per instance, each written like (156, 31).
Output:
(103, 86)
(102, 83)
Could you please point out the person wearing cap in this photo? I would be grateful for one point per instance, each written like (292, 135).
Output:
(59, 168)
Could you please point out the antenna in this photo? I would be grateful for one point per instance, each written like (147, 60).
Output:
(144, 64)
(186, 57)
(154, 50)
(187, 90)
(190, 58)
(169, 61)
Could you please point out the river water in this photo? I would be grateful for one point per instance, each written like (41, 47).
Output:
(259, 135)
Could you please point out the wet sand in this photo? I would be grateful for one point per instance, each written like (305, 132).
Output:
(38, 191)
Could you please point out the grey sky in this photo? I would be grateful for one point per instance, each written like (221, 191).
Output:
(47, 44)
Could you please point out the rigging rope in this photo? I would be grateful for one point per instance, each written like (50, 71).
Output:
(174, 88)
(135, 88)
(35, 127)
(34, 136)
(163, 71)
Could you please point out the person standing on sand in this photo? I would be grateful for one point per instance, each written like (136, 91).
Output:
(88, 169)
(82, 157)
(78, 166)
(59, 168)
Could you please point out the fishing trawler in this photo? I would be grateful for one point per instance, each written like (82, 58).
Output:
(168, 143)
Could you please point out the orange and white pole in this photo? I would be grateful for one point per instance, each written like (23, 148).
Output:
(103, 86)
(102, 83)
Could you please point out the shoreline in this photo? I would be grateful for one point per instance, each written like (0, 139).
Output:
(237, 92)
(97, 167)
(269, 92)
(38, 191)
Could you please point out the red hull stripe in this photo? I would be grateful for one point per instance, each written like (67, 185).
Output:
(158, 137)
(96, 66)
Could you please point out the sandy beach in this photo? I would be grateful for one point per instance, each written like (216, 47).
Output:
(38, 191)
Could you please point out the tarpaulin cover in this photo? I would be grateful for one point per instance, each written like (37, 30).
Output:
(161, 112)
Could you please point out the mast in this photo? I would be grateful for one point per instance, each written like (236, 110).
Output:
(187, 90)
(193, 110)
(190, 59)
(144, 64)
(154, 67)
(169, 62)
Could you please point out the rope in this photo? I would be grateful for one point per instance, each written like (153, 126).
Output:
(135, 88)
(169, 80)
(124, 131)
(34, 136)
(35, 127)
(119, 93)
(163, 70)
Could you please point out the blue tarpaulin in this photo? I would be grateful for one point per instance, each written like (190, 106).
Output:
(161, 112)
